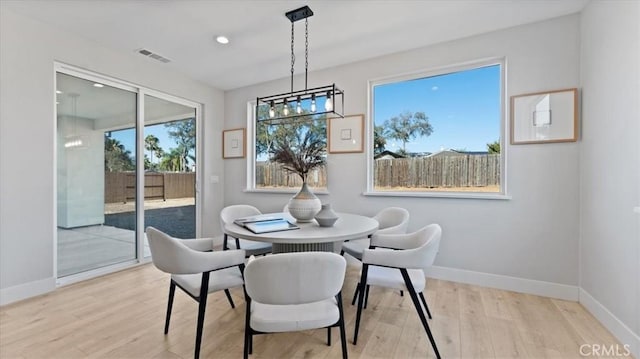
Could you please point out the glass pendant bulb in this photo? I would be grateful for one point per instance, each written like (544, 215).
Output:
(272, 110)
(298, 105)
(328, 105)
(285, 108)
(313, 103)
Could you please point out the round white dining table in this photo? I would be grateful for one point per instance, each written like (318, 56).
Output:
(310, 236)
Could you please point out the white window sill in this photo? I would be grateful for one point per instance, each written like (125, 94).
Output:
(285, 191)
(458, 195)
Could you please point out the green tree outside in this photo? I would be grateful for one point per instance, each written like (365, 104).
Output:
(379, 142)
(171, 161)
(407, 126)
(152, 144)
(493, 147)
(116, 157)
(184, 133)
(271, 135)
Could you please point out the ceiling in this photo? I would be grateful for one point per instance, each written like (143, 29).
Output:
(340, 32)
(111, 108)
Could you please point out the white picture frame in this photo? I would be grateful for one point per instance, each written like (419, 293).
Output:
(544, 117)
(233, 143)
(345, 135)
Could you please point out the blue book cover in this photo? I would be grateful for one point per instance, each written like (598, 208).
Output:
(274, 225)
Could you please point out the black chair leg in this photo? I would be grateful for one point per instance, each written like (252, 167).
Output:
(172, 292)
(247, 344)
(363, 281)
(416, 303)
(426, 307)
(247, 328)
(237, 243)
(343, 335)
(226, 291)
(329, 336)
(402, 293)
(202, 305)
(342, 252)
(366, 297)
(245, 353)
(355, 294)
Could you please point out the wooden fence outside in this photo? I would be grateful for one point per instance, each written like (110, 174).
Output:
(441, 171)
(416, 172)
(272, 175)
(120, 186)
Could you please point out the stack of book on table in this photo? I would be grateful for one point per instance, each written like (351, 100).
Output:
(266, 223)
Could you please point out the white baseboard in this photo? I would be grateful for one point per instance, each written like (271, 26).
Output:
(521, 285)
(98, 272)
(619, 330)
(26, 290)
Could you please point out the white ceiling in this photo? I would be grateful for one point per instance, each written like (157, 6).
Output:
(340, 31)
(109, 107)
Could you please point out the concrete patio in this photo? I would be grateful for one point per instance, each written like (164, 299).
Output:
(86, 248)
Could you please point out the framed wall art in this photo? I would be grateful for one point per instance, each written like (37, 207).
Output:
(345, 135)
(541, 117)
(233, 143)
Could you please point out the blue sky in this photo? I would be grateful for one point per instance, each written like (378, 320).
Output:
(463, 108)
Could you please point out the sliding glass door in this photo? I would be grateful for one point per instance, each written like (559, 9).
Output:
(96, 156)
(126, 159)
(170, 167)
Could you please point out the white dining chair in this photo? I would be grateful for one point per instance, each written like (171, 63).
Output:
(292, 292)
(390, 220)
(195, 269)
(233, 212)
(397, 262)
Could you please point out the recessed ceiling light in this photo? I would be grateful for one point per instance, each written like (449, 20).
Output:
(98, 85)
(58, 91)
(222, 40)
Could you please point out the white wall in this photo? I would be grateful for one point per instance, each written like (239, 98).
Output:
(610, 166)
(80, 173)
(27, 130)
(534, 235)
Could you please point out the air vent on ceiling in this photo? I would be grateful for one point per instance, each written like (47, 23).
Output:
(153, 55)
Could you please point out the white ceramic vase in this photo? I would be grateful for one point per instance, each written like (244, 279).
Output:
(304, 205)
(326, 217)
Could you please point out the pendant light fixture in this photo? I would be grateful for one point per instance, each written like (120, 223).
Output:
(306, 102)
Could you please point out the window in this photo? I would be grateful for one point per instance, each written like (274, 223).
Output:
(439, 133)
(269, 136)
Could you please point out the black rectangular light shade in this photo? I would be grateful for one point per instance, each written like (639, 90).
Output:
(304, 96)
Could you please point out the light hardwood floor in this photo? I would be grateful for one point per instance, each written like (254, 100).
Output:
(122, 316)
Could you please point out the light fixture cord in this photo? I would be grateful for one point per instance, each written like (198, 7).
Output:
(306, 51)
(293, 57)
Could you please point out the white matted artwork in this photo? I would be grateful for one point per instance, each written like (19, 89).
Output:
(233, 143)
(541, 117)
(346, 134)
